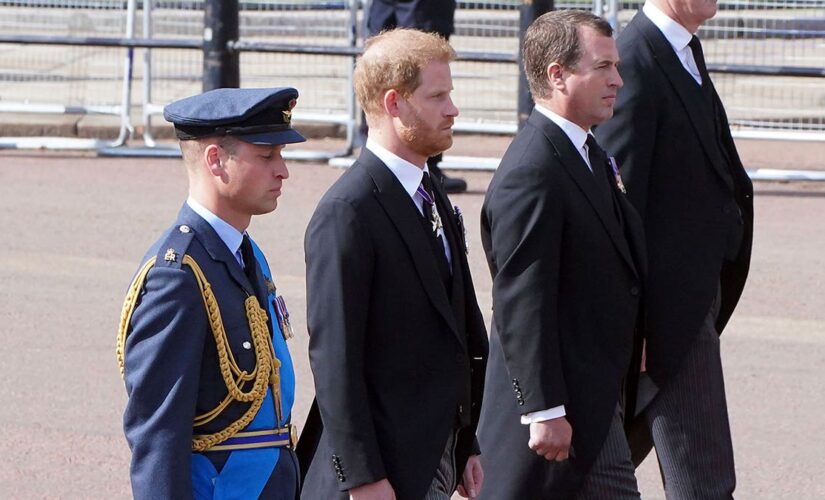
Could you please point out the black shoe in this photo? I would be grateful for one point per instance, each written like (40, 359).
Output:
(453, 184)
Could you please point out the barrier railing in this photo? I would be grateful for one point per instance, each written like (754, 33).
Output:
(768, 63)
(767, 57)
(37, 79)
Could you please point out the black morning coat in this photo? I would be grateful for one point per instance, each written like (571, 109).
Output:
(683, 174)
(567, 285)
(398, 358)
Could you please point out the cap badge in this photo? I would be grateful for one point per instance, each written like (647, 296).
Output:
(288, 113)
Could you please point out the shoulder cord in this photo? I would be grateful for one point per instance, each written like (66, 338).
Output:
(267, 366)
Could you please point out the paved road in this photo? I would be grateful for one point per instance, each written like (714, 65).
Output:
(74, 228)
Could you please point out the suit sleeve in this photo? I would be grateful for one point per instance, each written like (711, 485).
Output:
(339, 274)
(526, 221)
(162, 372)
(630, 136)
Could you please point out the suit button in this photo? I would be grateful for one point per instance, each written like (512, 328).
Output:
(634, 291)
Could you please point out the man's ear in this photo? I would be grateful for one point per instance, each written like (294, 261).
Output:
(556, 76)
(391, 102)
(212, 157)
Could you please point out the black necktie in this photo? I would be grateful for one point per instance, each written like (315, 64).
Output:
(699, 57)
(602, 171)
(249, 261)
(710, 98)
(595, 154)
(598, 163)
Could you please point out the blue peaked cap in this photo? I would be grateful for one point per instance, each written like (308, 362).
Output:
(257, 116)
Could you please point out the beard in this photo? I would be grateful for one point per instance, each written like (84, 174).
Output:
(421, 137)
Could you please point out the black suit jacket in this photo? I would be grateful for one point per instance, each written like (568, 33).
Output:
(398, 362)
(567, 283)
(687, 182)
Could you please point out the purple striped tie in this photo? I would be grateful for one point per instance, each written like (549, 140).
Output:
(424, 194)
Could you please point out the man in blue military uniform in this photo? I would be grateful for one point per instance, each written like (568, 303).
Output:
(202, 339)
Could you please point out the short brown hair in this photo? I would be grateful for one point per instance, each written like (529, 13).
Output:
(554, 37)
(393, 60)
(192, 149)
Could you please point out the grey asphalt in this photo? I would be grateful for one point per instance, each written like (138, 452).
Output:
(75, 226)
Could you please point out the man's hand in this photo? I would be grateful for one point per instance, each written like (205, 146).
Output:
(551, 438)
(380, 490)
(471, 481)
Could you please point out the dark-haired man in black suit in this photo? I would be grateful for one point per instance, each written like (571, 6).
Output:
(566, 253)
(671, 138)
(397, 342)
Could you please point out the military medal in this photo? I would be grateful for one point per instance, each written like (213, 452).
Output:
(281, 311)
(616, 174)
(283, 317)
(460, 219)
(436, 222)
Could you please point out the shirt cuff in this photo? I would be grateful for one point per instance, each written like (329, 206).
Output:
(541, 416)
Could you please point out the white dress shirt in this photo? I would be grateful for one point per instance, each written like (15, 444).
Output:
(409, 175)
(230, 236)
(677, 36)
(576, 134)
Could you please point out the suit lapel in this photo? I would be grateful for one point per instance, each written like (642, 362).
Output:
(689, 92)
(402, 212)
(585, 180)
(215, 247)
(634, 230)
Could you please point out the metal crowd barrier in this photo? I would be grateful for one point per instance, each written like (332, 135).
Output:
(40, 79)
(767, 57)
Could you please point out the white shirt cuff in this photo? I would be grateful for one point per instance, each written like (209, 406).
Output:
(541, 416)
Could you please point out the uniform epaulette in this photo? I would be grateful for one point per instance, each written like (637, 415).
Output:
(173, 248)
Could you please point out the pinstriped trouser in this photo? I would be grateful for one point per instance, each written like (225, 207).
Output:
(688, 419)
(612, 476)
(445, 479)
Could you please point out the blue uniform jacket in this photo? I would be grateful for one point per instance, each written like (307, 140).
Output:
(171, 363)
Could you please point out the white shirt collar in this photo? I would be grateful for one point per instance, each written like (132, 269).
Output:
(676, 34)
(408, 174)
(231, 237)
(576, 134)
